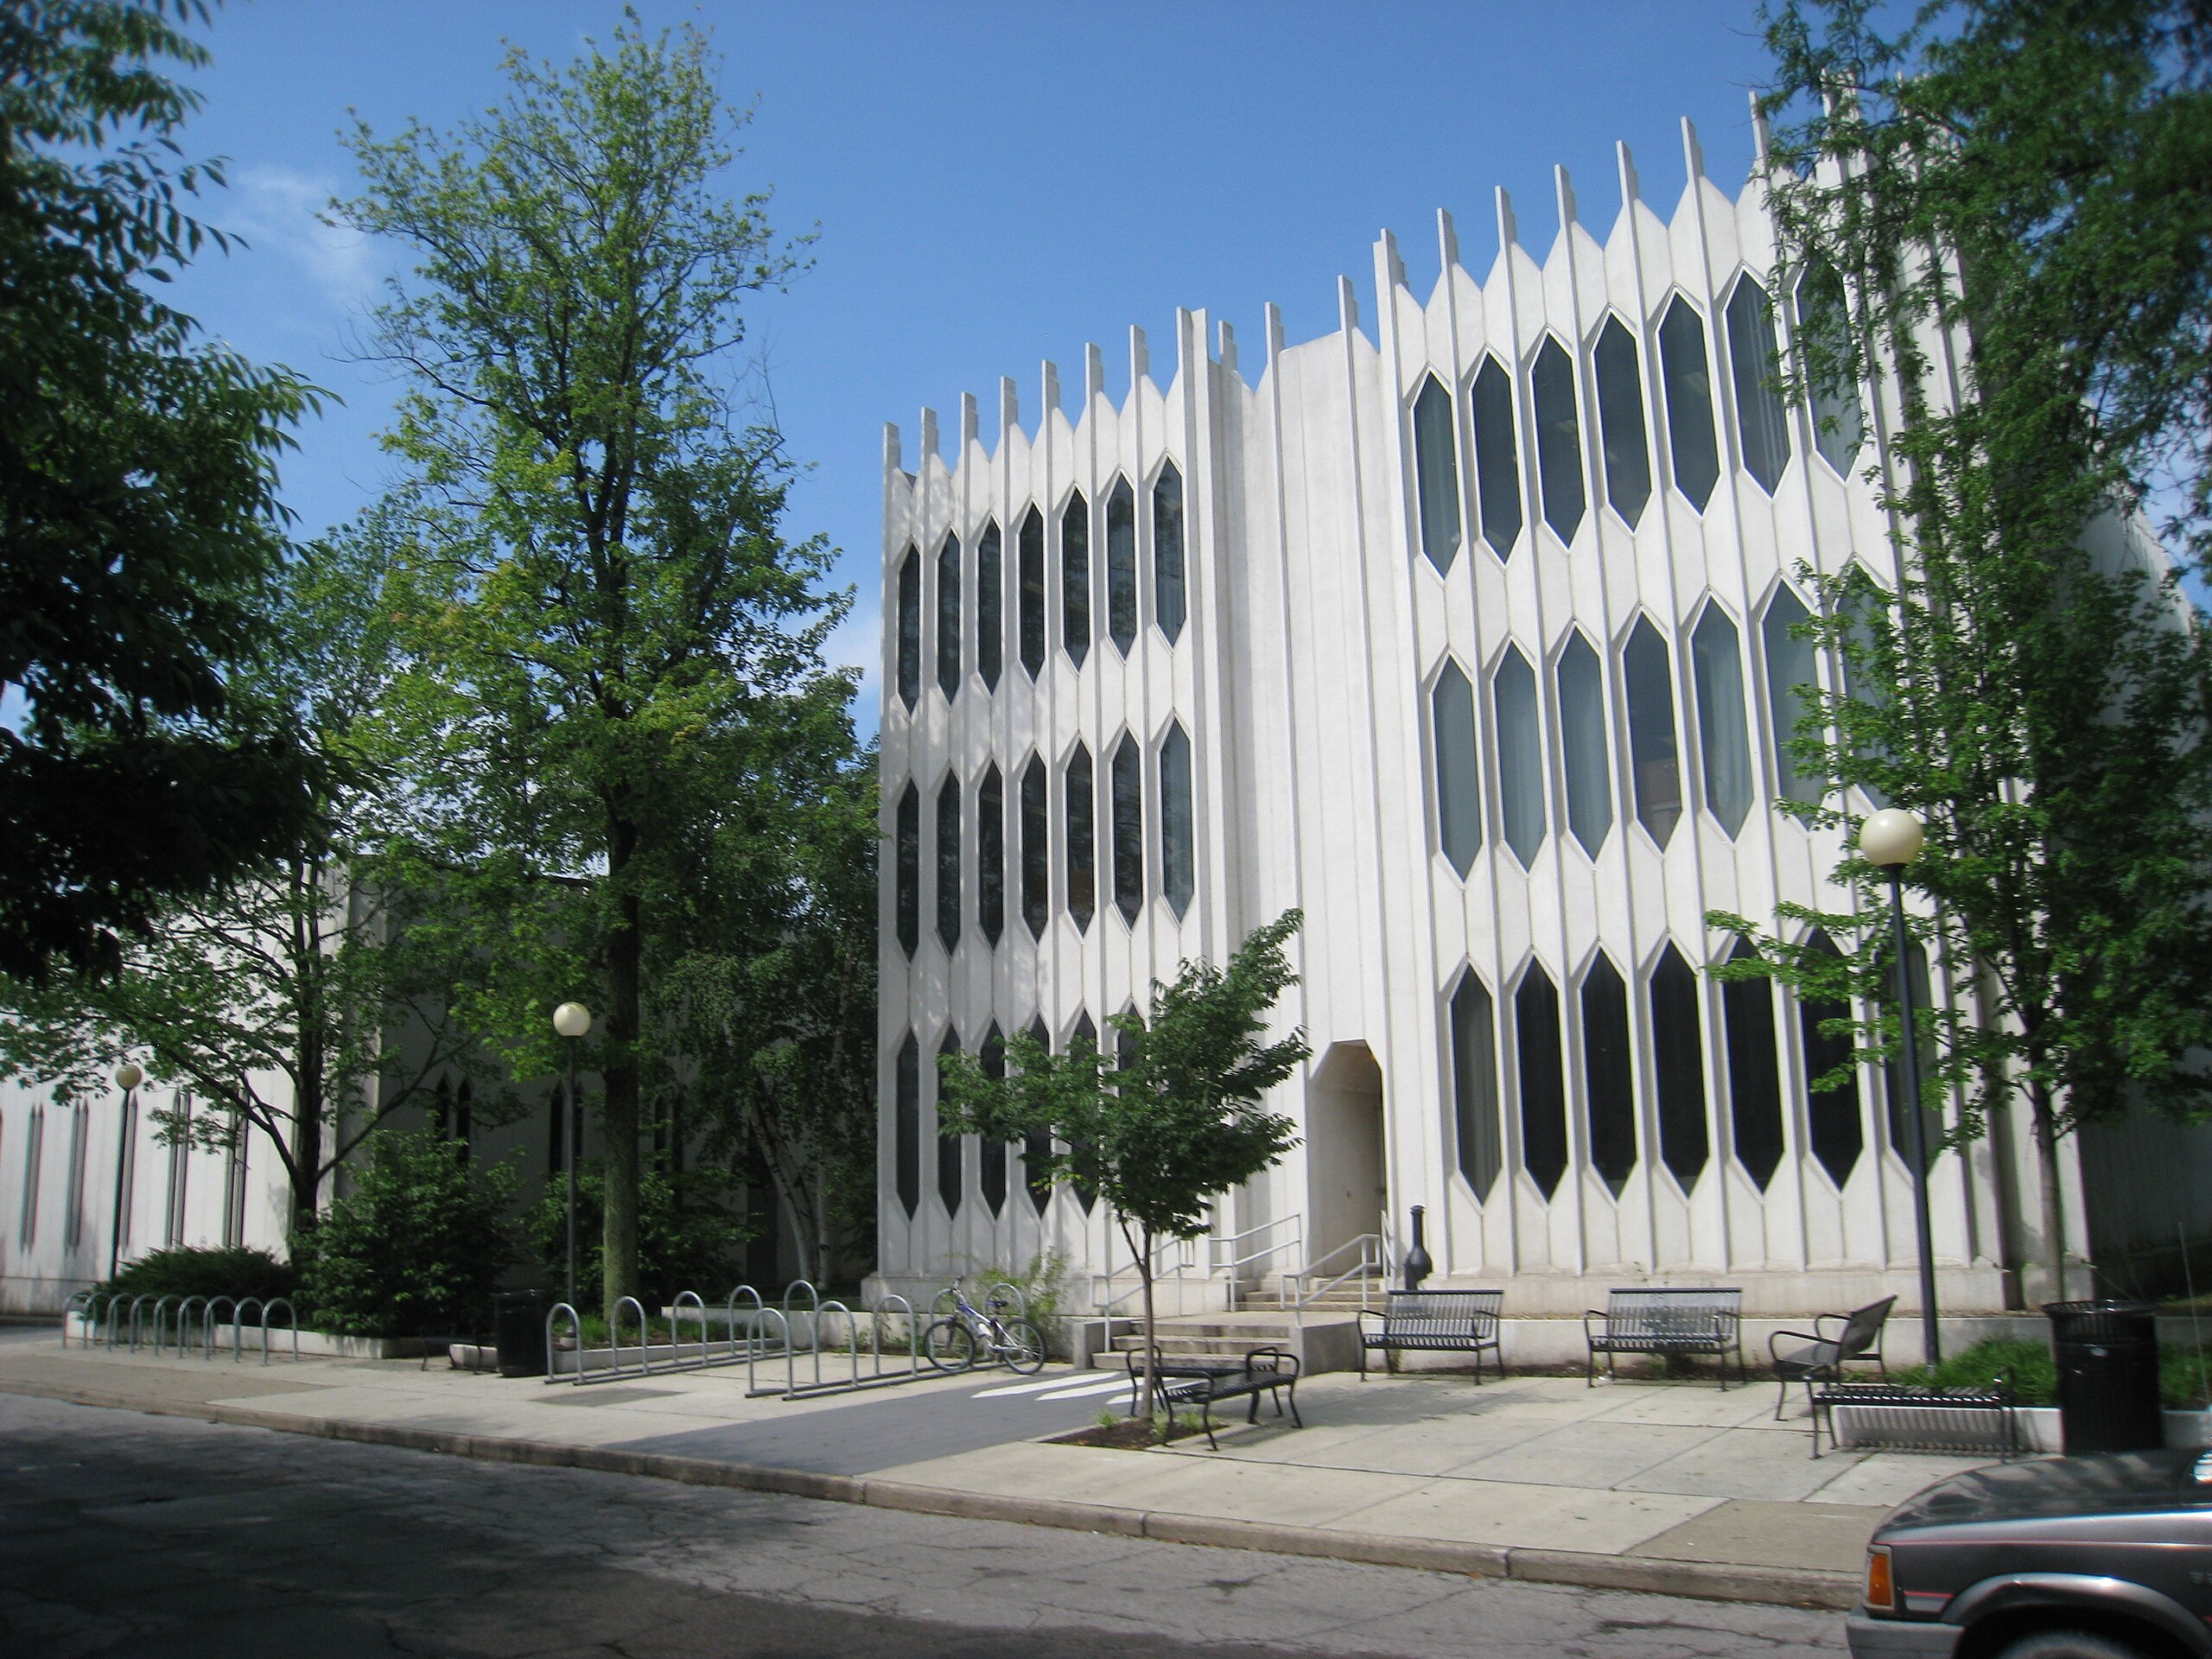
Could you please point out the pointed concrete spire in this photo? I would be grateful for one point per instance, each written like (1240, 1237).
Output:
(1392, 264)
(1563, 188)
(928, 434)
(1009, 409)
(1448, 241)
(1693, 152)
(1632, 188)
(1273, 319)
(1094, 376)
(1762, 139)
(1347, 305)
(1140, 357)
(1228, 347)
(891, 461)
(1051, 394)
(1509, 233)
(968, 422)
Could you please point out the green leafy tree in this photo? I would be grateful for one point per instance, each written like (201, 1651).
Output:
(297, 1004)
(139, 512)
(2006, 198)
(690, 1243)
(1180, 1119)
(617, 650)
(417, 1246)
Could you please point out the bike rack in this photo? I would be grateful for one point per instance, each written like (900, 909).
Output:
(184, 1321)
(207, 1323)
(644, 1338)
(291, 1318)
(80, 1304)
(576, 1329)
(675, 1325)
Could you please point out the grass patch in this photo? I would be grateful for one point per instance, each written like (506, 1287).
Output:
(2184, 1374)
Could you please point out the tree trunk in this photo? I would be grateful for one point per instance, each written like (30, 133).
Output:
(2054, 1195)
(1151, 1341)
(306, 1161)
(618, 1079)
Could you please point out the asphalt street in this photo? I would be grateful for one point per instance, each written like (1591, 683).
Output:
(126, 1534)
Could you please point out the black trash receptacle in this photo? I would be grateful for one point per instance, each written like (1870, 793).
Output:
(518, 1329)
(2108, 1355)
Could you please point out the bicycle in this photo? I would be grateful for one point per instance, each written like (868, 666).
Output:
(953, 1342)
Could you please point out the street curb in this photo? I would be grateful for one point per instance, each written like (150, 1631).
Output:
(1647, 1574)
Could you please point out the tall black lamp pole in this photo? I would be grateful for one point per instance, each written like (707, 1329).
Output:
(127, 1077)
(1890, 839)
(573, 1021)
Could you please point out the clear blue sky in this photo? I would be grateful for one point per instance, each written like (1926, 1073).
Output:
(994, 184)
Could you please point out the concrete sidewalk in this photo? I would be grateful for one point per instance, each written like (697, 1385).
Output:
(1674, 1487)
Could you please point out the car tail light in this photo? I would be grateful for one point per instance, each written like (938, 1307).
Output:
(1881, 1588)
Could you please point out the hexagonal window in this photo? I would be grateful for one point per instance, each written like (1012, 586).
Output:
(1520, 755)
(951, 1149)
(991, 644)
(1678, 1050)
(1178, 822)
(1167, 597)
(1036, 851)
(948, 863)
(1755, 368)
(1582, 726)
(1620, 421)
(1831, 1075)
(906, 1123)
(1122, 566)
(906, 903)
(992, 1174)
(1543, 1083)
(1474, 1085)
(1793, 681)
(1126, 782)
(1436, 474)
(1824, 342)
(910, 629)
(1692, 453)
(1559, 440)
(1497, 457)
(1754, 1071)
(1724, 738)
(948, 618)
(1608, 1073)
(1078, 815)
(1031, 555)
(1458, 767)
(1654, 761)
(990, 854)
(1075, 579)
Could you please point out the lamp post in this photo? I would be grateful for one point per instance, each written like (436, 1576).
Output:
(573, 1021)
(127, 1077)
(1890, 839)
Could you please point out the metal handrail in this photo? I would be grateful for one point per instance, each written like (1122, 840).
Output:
(1236, 1266)
(1369, 1246)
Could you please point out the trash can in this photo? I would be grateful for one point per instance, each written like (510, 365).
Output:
(518, 1328)
(2108, 1355)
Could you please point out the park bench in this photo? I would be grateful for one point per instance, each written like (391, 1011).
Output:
(1917, 1419)
(1432, 1322)
(1667, 1322)
(1200, 1382)
(1823, 1353)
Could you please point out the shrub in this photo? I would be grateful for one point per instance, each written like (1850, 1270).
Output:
(2034, 1373)
(416, 1247)
(693, 1245)
(231, 1271)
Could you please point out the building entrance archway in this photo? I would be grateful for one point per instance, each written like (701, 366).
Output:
(1347, 1182)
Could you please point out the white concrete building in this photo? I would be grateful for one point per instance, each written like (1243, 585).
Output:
(1466, 629)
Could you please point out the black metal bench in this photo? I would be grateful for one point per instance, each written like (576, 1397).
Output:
(1667, 1321)
(1916, 1419)
(1201, 1382)
(1433, 1321)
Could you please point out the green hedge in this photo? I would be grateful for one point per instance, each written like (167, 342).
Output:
(2184, 1373)
(205, 1271)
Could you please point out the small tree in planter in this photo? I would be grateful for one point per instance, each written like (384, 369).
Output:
(417, 1246)
(1178, 1120)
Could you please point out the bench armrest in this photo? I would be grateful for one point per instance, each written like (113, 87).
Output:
(1278, 1363)
(1375, 1313)
(1590, 1313)
(1773, 1352)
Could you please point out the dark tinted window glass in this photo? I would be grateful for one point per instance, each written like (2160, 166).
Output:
(1724, 739)
(1459, 787)
(1582, 726)
(1652, 754)
(1474, 1080)
(907, 1114)
(1032, 557)
(1036, 1146)
(1543, 1085)
(1823, 329)
(990, 854)
(990, 588)
(1036, 851)
(1167, 608)
(1678, 1046)
(1497, 460)
(1085, 1035)
(1608, 1073)
(1620, 421)
(1177, 840)
(1790, 662)
(910, 629)
(1761, 426)
(1754, 1077)
(1832, 1099)
(1520, 755)
(907, 883)
(1690, 441)
(1074, 579)
(1127, 783)
(948, 617)
(948, 863)
(1122, 566)
(1436, 474)
(1078, 811)
(951, 1176)
(1558, 441)
(993, 1173)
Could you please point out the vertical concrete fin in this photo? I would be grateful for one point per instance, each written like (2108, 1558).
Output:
(1693, 152)
(1094, 376)
(1762, 140)
(1009, 409)
(1631, 189)
(928, 436)
(1508, 232)
(1448, 241)
(969, 425)
(1273, 315)
(1390, 264)
(1347, 306)
(890, 457)
(1051, 379)
(1563, 188)
(1140, 357)
(1227, 349)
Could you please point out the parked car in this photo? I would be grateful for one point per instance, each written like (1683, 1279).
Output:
(2106, 1557)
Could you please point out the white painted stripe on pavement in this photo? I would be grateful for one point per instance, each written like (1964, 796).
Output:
(1116, 1387)
(1035, 1388)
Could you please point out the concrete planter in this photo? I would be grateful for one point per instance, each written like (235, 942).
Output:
(319, 1345)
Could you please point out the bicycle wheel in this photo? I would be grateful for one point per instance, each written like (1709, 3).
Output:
(950, 1344)
(1025, 1346)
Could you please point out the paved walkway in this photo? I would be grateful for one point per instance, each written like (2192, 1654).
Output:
(1675, 1487)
